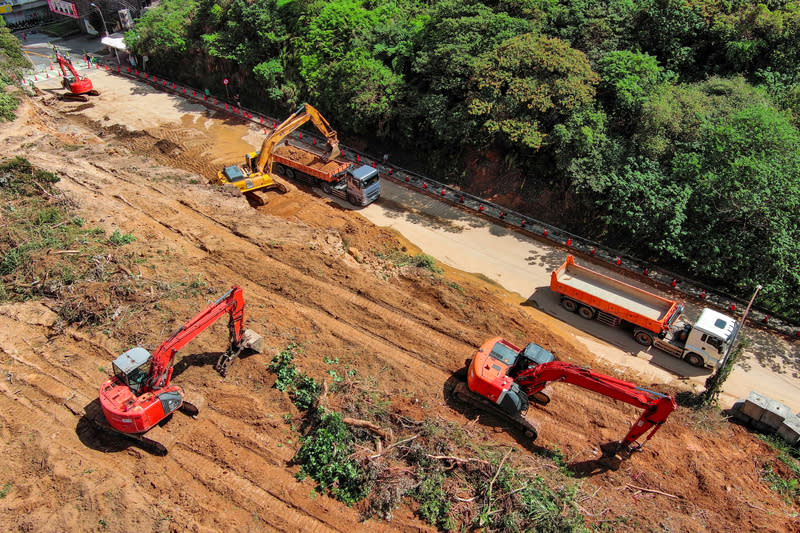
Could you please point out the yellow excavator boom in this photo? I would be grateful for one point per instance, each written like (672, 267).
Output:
(305, 113)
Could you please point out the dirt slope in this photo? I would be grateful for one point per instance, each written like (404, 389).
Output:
(313, 274)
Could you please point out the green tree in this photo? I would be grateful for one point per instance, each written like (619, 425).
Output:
(529, 84)
(251, 38)
(628, 80)
(743, 213)
(446, 49)
(592, 26)
(678, 34)
(162, 33)
(346, 70)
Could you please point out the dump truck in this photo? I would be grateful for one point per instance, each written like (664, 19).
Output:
(358, 185)
(653, 319)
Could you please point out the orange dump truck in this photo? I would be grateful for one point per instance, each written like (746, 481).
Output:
(595, 296)
(652, 318)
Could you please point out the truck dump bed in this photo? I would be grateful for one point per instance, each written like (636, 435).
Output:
(614, 297)
(310, 163)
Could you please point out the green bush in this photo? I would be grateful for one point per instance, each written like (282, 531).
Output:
(427, 262)
(304, 390)
(120, 239)
(325, 457)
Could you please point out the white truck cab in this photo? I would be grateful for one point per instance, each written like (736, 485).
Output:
(709, 338)
(703, 343)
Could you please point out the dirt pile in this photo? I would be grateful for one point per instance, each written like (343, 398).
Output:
(316, 275)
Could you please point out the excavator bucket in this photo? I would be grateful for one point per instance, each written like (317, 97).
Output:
(250, 341)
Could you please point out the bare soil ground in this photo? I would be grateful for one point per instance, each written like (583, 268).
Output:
(313, 274)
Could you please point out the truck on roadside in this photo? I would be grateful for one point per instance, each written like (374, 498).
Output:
(653, 319)
(358, 185)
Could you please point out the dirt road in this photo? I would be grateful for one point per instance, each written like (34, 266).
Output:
(315, 274)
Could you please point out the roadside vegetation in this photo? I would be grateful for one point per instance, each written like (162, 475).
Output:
(12, 61)
(783, 473)
(359, 451)
(667, 130)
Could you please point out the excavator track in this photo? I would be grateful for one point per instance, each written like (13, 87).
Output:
(462, 393)
(156, 440)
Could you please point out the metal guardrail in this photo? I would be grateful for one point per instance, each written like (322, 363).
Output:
(530, 226)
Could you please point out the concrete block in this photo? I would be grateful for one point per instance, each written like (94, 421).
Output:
(761, 427)
(774, 414)
(754, 405)
(738, 415)
(789, 430)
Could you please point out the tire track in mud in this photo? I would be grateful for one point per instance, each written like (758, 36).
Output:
(249, 494)
(390, 318)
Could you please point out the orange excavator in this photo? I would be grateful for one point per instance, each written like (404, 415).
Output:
(140, 395)
(78, 88)
(503, 378)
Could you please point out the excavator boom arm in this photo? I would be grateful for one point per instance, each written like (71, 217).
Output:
(285, 128)
(232, 302)
(65, 64)
(657, 406)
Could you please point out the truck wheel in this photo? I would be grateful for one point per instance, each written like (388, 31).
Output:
(326, 187)
(694, 359)
(586, 312)
(289, 172)
(569, 305)
(643, 338)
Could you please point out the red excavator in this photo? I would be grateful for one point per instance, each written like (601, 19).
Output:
(140, 395)
(79, 88)
(503, 378)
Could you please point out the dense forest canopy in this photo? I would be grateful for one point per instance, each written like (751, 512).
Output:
(671, 125)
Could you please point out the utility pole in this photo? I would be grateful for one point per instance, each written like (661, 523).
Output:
(738, 329)
(102, 19)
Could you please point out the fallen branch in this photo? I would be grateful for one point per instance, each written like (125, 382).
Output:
(653, 491)
(64, 252)
(456, 459)
(386, 434)
(43, 189)
(756, 507)
(497, 473)
(381, 452)
(123, 200)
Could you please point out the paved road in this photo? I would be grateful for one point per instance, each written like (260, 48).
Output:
(38, 48)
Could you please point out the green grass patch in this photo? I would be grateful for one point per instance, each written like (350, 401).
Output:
(325, 457)
(400, 259)
(120, 239)
(787, 484)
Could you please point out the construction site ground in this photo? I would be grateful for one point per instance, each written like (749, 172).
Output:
(140, 161)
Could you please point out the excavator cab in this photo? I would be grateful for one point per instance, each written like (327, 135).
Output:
(529, 357)
(132, 368)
